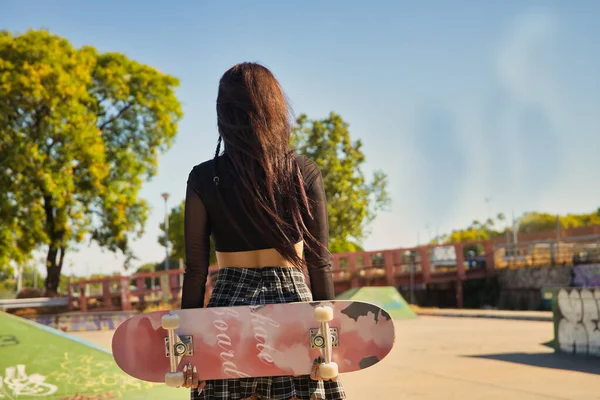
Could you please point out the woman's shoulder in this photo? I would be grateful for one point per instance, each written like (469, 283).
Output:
(200, 173)
(309, 168)
(203, 168)
(304, 161)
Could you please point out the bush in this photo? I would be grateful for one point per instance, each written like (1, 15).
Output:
(29, 293)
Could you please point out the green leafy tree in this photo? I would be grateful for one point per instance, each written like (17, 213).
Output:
(477, 231)
(79, 132)
(30, 277)
(177, 236)
(8, 285)
(530, 222)
(540, 222)
(353, 202)
(6, 272)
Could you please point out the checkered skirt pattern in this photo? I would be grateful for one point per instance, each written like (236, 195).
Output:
(254, 286)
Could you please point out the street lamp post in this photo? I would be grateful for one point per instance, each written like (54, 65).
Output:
(166, 197)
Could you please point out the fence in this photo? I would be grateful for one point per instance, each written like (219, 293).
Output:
(566, 252)
(408, 267)
(411, 267)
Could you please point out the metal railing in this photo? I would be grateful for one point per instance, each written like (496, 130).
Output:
(567, 252)
(34, 302)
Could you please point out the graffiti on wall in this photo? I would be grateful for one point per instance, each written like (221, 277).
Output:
(576, 319)
(97, 396)
(587, 275)
(533, 278)
(16, 382)
(442, 256)
(97, 376)
(8, 340)
(75, 323)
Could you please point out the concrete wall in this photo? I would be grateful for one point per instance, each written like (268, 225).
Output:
(576, 321)
(520, 289)
(534, 277)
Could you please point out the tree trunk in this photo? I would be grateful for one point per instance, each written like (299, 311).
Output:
(54, 263)
(54, 260)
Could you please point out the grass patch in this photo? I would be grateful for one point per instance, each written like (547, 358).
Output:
(62, 367)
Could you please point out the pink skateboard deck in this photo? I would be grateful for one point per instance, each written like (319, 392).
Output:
(254, 341)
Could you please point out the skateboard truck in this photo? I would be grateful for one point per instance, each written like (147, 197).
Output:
(328, 369)
(175, 348)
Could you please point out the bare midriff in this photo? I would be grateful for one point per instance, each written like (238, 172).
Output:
(256, 258)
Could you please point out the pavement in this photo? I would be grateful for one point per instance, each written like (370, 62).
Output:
(437, 357)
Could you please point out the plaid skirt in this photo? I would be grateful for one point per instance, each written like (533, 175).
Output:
(254, 286)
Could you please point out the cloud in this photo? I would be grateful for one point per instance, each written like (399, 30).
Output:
(537, 69)
(522, 61)
(524, 135)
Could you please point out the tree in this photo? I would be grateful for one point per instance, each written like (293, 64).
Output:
(353, 202)
(6, 272)
(176, 236)
(529, 222)
(79, 132)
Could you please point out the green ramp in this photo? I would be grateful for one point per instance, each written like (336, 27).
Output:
(38, 362)
(386, 297)
(347, 295)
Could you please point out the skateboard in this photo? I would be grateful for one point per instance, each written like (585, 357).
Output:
(254, 341)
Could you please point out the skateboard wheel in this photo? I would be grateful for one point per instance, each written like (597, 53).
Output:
(323, 314)
(174, 379)
(170, 321)
(328, 370)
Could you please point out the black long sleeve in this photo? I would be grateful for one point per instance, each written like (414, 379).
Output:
(197, 250)
(319, 265)
(204, 216)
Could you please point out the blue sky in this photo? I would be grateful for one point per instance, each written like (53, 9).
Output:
(455, 101)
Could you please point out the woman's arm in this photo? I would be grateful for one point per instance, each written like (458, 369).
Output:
(318, 265)
(197, 250)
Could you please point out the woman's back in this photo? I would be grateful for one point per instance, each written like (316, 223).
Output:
(226, 214)
(213, 209)
(258, 201)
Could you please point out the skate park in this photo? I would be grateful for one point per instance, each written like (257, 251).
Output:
(446, 352)
(466, 357)
(457, 150)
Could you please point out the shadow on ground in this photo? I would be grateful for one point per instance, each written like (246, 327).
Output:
(565, 362)
(550, 344)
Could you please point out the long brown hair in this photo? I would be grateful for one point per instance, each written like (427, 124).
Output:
(255, 123)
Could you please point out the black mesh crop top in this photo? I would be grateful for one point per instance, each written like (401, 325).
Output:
(204, 217)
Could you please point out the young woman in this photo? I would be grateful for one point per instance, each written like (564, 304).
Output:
(266, 210)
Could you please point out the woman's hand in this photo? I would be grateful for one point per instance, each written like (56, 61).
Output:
(314, 373)
(190, 378)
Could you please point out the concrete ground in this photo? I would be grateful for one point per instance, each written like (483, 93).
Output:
(466, 358)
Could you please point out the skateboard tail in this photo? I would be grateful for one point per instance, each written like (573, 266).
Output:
(138, 348)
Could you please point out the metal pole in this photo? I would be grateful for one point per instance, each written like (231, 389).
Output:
(19, 278)
(166, 197)
(411, 260)
(412, 283)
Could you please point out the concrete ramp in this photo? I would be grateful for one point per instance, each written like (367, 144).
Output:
(386, 297)
(39, 362)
